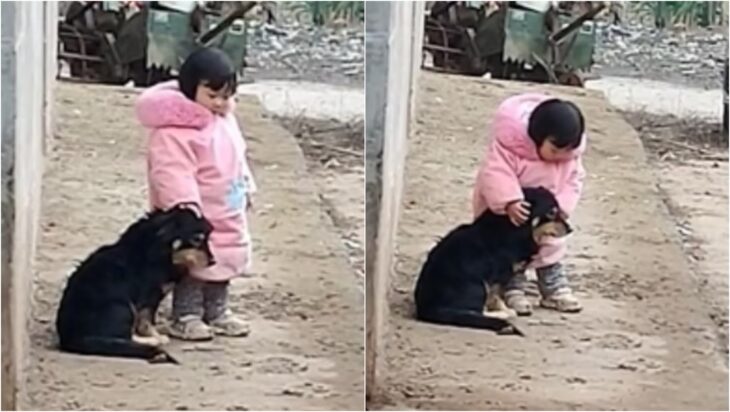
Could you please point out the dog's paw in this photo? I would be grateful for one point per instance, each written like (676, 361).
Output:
(163, 357)
(163, 339)
(510, 330)
(147, 340)
(501, 314)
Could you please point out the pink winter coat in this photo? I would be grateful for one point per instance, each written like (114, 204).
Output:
(511, 162)
(196, 156)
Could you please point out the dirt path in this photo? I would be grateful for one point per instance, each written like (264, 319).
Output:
(645, 333)
(334, 152)
(685, 152)
(304, 303)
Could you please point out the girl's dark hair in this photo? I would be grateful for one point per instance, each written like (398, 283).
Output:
(560, 121)
(208, 66)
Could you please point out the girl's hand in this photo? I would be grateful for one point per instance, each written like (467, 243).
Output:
(518, 212)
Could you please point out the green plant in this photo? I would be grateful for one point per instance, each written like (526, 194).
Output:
(324, 12)
(687, 13)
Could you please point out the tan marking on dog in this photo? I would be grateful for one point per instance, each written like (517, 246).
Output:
(163, 339)
(135, 321)
(494, 306)
(162, 357)
(190, 258)
(518, 267)
(549, 229)
(146, 340)
(145, 329)
(167, 288)
(501, 314)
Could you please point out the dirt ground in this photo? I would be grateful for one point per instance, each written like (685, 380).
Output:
(646, 330)
(683, 153)
(334, 152)
(304, 301)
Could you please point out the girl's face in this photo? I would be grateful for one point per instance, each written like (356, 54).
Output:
(217, 101)
(549, 153)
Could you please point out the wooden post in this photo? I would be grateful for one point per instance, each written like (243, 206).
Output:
(393, 52)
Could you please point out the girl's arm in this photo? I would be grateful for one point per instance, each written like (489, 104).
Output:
(499, 184)
(570, 192)
(247, 174)
(171, 166)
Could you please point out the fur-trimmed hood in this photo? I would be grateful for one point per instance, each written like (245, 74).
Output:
(164, 105)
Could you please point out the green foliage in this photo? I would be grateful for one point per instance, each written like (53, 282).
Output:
(325, 12)
(687, 13)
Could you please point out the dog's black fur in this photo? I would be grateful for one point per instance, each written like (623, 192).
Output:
(100, 306)
(452, 288)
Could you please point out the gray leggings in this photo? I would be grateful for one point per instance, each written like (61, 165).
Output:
(549, 280)
(191, 296)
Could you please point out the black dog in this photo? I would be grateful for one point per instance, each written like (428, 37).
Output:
(110, 300)
(465, 271)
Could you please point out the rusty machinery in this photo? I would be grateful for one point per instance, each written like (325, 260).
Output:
(114, 42)
(528, 40)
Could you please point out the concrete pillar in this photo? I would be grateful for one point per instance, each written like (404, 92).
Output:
(394, 32)
(28, 62)
(8, 211)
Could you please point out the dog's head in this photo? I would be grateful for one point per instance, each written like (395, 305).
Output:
(181, 233)
(546, 219)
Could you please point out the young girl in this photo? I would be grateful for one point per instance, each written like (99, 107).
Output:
(196, 153)
(537, 141)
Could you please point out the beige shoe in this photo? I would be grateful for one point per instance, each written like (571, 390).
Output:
(191, 328)
(517, 301)
(562, 300)
(228, 324)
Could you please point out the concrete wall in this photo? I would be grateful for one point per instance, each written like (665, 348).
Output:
(28, 69)
(394, 34)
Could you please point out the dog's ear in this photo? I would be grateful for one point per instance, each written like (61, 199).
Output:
(193, 206)
(164, 223)
(158, 217)
(165, 229)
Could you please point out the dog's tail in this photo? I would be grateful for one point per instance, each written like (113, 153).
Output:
(469, 319)
(117, 347)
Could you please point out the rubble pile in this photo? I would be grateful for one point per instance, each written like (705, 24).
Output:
(691, 57)
(293, 51)
(289, 49)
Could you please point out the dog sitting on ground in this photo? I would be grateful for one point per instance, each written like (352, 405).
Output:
(460, 283)
(108, 306)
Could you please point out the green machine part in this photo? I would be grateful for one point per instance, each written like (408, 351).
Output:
(580, 55)
(171, 39)
(526, 37)
(232, 41)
